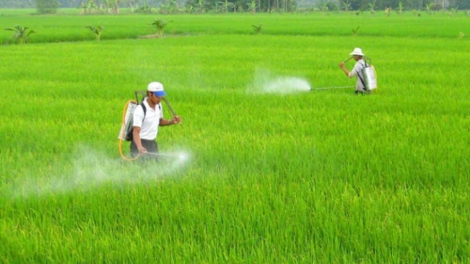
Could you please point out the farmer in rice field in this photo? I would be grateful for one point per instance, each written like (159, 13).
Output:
(146, 121)
(357, 70)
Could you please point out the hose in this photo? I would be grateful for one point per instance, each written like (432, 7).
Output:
(332, 87)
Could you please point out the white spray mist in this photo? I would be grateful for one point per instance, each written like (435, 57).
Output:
(92, 170)
(266, 83)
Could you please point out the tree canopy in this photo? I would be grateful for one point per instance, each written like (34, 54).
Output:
(242, 5)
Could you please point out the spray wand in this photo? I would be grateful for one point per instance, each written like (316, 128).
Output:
(169, 106)
(365, 58)
(348, 59)
(332, 87)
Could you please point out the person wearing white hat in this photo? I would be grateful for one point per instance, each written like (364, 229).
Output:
(148, 116)
(357, 70)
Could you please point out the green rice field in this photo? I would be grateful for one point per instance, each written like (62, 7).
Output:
(274, 171)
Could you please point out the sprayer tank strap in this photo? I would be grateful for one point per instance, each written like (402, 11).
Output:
(145, 109)
(362, 80)
(357, 71)
(359, 75)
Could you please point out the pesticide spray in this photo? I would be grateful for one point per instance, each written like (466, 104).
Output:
(266, 83)
(91, 170)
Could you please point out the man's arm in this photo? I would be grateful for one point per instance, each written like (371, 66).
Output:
(341, 65)
(137, 141)
(176, 120)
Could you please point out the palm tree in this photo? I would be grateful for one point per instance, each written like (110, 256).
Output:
(257, 29)
(160, 26)
(97, 31)
(252, 6)
(346, 6)
(21, 34)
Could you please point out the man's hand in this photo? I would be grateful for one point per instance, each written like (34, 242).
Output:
(341, 65)
(142, 150)
(177, 120)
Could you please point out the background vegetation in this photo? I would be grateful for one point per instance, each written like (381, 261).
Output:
(321, 176)
(252, 6)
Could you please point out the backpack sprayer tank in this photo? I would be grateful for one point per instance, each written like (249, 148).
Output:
(370, 77)
(126, 127)
(127, 122)
(127, 119)
(128, 115)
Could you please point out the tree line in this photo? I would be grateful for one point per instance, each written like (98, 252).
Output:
(201, 6)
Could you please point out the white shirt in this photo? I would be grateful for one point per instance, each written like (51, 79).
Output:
(149, 127)
(357, 71)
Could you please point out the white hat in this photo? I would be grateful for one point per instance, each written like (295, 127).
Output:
(156, 88)
(357, 51)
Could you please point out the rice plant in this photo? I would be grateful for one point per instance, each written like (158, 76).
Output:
(275, 174)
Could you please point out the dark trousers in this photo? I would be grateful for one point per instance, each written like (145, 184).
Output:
(150, 145)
